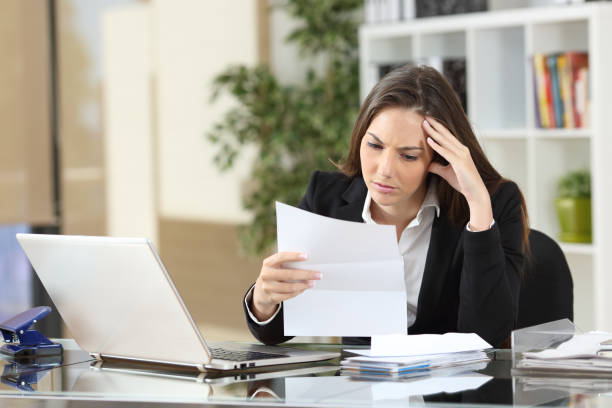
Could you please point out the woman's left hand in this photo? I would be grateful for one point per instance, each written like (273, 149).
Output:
(460, 173)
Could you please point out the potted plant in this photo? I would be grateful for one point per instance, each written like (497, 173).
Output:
(573, 205)
(296, 128)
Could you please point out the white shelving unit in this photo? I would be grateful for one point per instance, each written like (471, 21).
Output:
(497, 47)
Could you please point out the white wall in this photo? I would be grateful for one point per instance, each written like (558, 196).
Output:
(166, 53)
(129, 145)
(195, 41)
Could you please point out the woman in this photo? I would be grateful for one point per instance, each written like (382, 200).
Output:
(462, 229)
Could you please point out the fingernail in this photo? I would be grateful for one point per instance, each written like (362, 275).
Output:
(426, 122)
(319, 275)
(303, 256)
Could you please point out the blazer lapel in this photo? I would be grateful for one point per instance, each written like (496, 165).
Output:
(354, 197)
(438, 263)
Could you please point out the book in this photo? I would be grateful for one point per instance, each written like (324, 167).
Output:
(578, 61)
(539, 68)
(565, 88)
(555, 94)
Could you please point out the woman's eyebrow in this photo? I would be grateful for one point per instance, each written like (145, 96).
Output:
(403, 148)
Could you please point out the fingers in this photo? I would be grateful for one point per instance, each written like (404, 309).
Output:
(282, 257)
(277, 283)
(441, 134)
(290, 275)
(442, 151)
(281, 287)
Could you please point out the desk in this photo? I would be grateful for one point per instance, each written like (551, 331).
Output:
(80, 382)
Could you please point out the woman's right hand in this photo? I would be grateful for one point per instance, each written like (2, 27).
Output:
(276, 283)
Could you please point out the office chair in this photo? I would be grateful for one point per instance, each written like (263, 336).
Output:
(547, 286)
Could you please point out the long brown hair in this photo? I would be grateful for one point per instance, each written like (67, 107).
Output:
(424, 90)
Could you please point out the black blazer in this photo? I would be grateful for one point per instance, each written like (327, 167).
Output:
(471, 280)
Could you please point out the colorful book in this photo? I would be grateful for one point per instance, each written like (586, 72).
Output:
(539, 68)
(578, 61)
(565, 87)
(557, 105)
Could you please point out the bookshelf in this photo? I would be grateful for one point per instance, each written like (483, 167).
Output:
(497, 47)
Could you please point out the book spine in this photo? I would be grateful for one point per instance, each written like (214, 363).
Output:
(536, 101)
(576, 62)
(540, 73)
(556, 94)
(565, 83)
(581, 85)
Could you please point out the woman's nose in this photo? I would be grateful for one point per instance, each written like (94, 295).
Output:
(385, 166)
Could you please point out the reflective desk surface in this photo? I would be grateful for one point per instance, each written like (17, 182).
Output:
(80, 381)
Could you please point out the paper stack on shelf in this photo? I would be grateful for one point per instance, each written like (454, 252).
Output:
(416, 355)
(582, 353)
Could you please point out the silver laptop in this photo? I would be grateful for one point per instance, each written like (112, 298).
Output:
(119, 302)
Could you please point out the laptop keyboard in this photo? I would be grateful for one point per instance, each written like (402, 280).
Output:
(234, 355)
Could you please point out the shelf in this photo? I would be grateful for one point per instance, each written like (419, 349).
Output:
(518, 134)
(562, 133)
(577, 249)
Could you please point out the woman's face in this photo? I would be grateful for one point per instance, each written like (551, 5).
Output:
(395, 158)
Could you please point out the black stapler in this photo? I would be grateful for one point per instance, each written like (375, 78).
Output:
(24, 342)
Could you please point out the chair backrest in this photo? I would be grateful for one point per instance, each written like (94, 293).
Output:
(547, 289)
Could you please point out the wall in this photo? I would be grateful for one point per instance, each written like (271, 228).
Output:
(196, 40)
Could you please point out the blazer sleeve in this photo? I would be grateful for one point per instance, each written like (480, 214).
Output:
(491, 274)
(273, 331)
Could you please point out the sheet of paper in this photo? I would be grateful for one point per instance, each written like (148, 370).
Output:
(423, 344)
(362, 290)
(580, 345)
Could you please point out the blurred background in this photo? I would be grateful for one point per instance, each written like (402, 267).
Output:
(182, 121)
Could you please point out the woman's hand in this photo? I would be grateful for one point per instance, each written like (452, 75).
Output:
(276, 284)
(460, 173)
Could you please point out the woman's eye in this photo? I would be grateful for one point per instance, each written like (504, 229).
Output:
(374, 145)
(408, 157)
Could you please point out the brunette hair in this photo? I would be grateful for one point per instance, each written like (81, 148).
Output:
(424, 90)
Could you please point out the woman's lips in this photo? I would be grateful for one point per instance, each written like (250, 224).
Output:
(383, 188)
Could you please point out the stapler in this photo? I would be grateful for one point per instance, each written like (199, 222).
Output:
(24, 342)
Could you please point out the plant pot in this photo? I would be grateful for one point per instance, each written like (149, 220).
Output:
(575, 219)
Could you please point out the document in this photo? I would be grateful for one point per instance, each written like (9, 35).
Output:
(362, 290)
(424, 344)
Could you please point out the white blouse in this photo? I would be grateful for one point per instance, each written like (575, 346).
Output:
(413, 245)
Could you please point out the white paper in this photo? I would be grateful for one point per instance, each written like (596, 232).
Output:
(423, 344)
(580, 345)
(362, 290)
(433, 359)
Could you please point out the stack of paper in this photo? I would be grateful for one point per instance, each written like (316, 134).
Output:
(587, 353)
(415, 355)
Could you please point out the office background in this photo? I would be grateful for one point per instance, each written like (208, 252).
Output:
(104, 110)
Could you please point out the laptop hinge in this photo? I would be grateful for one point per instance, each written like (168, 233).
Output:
(96, 356)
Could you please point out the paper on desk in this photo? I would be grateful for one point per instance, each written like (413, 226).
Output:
(423, 344)
(362, 290)
(580, 345)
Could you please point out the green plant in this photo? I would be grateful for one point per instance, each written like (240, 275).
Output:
(575, 184)
(296, 128)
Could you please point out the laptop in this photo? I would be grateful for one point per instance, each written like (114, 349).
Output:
(119, 303)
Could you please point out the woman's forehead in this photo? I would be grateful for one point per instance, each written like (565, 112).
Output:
(397, 125)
